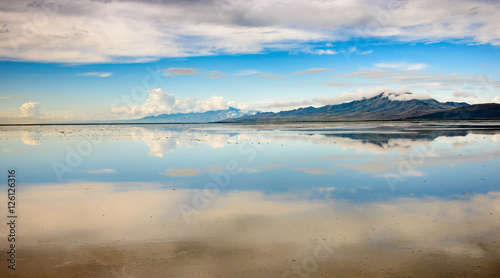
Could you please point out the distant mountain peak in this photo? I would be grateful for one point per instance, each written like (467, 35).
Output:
(390, 95)
(384, 106)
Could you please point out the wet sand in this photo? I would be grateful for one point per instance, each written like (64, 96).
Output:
(202, 259)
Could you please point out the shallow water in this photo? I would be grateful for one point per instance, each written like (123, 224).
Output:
(289, 200)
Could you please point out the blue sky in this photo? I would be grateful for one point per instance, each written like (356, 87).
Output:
(105, 60)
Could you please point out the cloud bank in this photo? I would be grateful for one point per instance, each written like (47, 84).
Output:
(91, 31)
(160, 102)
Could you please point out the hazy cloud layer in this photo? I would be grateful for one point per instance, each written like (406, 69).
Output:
(269, 75)
(479, 88)
(312, 70)
(138, 31)
(178, 71)
(400, 66)
(98, 74)
(174, 172)
(100, 171)
(357, 94)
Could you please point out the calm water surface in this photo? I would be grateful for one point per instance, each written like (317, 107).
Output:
(288, 200)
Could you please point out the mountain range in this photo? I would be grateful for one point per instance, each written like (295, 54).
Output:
(205, 117)
(385, 106)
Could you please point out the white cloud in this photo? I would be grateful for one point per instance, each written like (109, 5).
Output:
(406, 97)
(137, 31)
(388, 65)
(312, 70)
(31, 109)
(326, 52)
(269, 75)
(400, 66)
(160, 102)
(178, 71)
(415, 66)
(360, 93)
(98, 74)
(426, 80)
(365, 52)
(354, 50)
(246, 72)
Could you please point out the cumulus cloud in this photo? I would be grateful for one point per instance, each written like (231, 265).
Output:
(31, 109)
(90, 31)
(98, 74)
(160, 102)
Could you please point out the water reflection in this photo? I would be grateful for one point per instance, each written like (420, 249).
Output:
(387, 199)
(272, 231)
(388, 158)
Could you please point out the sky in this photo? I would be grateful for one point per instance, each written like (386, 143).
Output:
(71, 61)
